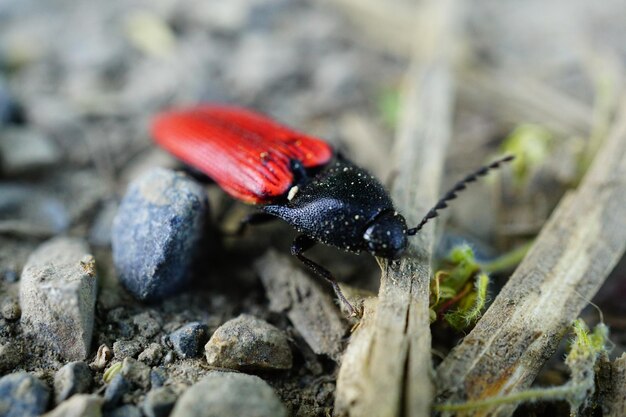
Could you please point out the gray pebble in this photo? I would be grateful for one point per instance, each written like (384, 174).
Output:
(124, 411)
(227, 394)
(11, 353)
(58, 296)
(100, 232)
(25, 151)
(22, 395)
(116, 389)
(152, 354)
(136, 372)
(169, 358)
(247, 342)
(72, 378)
(159, 402)
(147, 325)
(80, 405)
(188, 340)
(10, 110)
(156, 232)
(10, 309)
(157, 377)
(26, 210)
(126, 349)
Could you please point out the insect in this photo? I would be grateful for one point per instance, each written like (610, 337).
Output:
(294, 177)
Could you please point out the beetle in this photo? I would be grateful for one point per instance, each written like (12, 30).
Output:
(295, 177)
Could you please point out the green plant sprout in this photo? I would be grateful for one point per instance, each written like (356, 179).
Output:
(585, 350)
(531, 146)
(459, 282)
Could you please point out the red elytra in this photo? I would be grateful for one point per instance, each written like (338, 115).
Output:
(247, 154)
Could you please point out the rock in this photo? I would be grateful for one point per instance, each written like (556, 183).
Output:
(25, 151)
(73, 378)
(100, 232)
(147, 325)
(136, 372)
(159, 402)
(115, 390)
(222, 394)
(81, 405)
(103, 356)
(157, 377)
(26, 210)
(10, 309)
(156, 232)
(124, 411)
(11, 353)
(152, 354)
(22, 395)
(188, 340)
(58, 296)
(10, 110)
(126, 349)
(247, 342)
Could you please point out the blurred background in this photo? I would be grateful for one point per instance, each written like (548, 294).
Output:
(80, 80)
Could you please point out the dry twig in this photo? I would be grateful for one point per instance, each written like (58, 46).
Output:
(387, 367)
(574, 253)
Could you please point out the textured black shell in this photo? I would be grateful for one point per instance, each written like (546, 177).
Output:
(336, 206)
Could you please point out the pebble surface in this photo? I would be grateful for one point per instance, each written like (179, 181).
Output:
(188, 340)
(72, 378)
(22, 395)
(58, 296)
(222, 394)
(247, 342)
(155, 233)
(80, 405)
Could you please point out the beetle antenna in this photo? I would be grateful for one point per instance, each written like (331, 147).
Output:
(452, 193)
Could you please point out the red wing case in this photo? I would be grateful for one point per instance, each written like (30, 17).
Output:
(246, 153)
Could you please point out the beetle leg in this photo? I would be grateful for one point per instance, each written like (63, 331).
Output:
(252, 219)
(303, 243)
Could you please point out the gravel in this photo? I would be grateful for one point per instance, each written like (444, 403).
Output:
(159, 402)
(189, 339)
(72, 378)
(222, 394)
(58, 296)
(156, 231)
(247, 342)
(115, 391)
(81, 405)
(25, 151)
(22, 395)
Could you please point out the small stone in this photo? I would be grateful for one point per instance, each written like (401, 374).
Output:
(22, 395)
(124, 411)
(156, 231)
(10, 110)
(27, 210)
(152, 354)
(11, 353)
(169, 358)
(115, 391)
(188, 340)
(147, 325)
(136, 372)
(222, 394)
(247, 342)
(100, 232)
(58, 297)
(157, 377)
(10, 309)
(126, 349)
(81, 405)
(159, 402)
(73, 378)
(24, 151)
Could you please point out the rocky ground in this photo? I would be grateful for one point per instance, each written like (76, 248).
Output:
(78, 84)
(123, 291)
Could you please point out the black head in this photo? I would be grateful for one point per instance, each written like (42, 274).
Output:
(386, 235)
